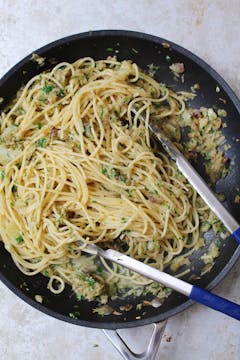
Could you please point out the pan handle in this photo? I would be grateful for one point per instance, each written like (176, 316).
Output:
(148, 354)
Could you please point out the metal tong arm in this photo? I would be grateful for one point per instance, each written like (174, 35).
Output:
(197, 182)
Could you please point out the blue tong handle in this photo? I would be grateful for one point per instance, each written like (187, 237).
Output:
(215, 302)
(236, 235)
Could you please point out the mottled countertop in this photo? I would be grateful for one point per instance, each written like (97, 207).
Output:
(211, 30)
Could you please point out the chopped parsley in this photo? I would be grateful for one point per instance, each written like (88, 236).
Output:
(99, 269)
(101, 112)
(61, 93)
(219, 174)
(123, 178)
(46, 273)
(39, 125)
(42, 142)
(47, 89)
(116, 112)
(116, 173)
(128, 99)
(91, 281)
(14, 188)
(129, 191)
(124, 220)
(218, 243)
(19, 239)
(75, 315)
(125, 231)
(224, 229)
(2, 175)
(104, 171)
(168, 291)
(80, 297)
(109, 49)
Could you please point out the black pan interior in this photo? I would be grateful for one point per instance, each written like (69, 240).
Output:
(144, 50)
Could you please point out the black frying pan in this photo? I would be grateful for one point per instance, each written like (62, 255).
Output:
(144, 50)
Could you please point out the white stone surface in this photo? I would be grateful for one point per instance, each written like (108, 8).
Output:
(211, 30)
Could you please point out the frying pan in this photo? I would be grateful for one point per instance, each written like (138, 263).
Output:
(144, 50)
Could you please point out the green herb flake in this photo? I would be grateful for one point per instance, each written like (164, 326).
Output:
(101, 112)
(168, 291)
(47, 89)
(39, 125)
(116, 112)
(124, 220)
(211, 131)
(99, 269)
(74, 315)
(2, 175)
(109, 49)
(19, 239)
(104, 171)
(91, 281)
(128, 99)
(46, 273)
(129, 191)
(95, 345)
(218, 243)
(61, 93)
(14, 188)
(126, 231)
(224, 229)
(42, 142)
(122, 178)
(116, 173)
(219, 174)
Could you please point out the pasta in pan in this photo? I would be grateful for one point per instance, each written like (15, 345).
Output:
(77, 167)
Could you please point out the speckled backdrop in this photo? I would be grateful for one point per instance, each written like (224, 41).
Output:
(211, 30)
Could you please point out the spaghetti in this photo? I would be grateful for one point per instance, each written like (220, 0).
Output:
(77, 168)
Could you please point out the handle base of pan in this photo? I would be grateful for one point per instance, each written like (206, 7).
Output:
(127, 354)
